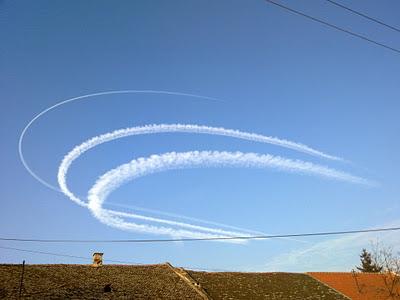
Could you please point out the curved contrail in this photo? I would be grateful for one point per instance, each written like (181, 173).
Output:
(87, 97)
(77, 151)
(168, 161)
(91, 97)
(157, 163)
(182, 217)
(163, 128)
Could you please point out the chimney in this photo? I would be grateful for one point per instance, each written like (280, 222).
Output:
(97, 259)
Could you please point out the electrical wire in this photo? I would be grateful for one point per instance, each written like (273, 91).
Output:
(257, 237)
(65, 255)
(108, 260)
(334, 26)
(363, 15)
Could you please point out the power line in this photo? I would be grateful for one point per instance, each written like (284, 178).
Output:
(363, 15)
(64, 255)
(107, 260)
(259, 237)
(334, 26)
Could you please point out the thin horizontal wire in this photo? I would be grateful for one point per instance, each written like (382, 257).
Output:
(260, 237)
(108, 260)
(64, 255)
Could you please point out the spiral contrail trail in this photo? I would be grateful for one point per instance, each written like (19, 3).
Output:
(77, 151)
(114, 218)
(167, 161)
(163, 128)
(91, 97)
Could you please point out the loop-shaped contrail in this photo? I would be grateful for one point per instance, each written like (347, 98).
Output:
(192, 159)
(157, 163)
(163, 128)
(163, 162)
(93, 96)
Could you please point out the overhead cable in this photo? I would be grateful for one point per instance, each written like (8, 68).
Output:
(363, 15)
(222, 238)
(334, 26)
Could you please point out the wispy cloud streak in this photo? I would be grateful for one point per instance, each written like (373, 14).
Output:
(333, 254)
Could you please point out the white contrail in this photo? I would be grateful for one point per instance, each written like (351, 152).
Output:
(163, 128)
(114, 218)
(168, 161)
(82, 98)
(173, 223)
(192, 219)
(91, 97)
(157, 163)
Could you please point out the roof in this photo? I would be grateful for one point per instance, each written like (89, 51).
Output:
(238, 285)
(86, 282)
(360, 286)
(164, 281)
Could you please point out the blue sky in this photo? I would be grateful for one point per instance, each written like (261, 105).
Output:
(276, 73)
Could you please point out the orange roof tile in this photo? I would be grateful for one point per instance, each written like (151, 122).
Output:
(361, 286)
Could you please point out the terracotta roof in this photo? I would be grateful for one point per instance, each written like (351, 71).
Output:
(361, 286)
